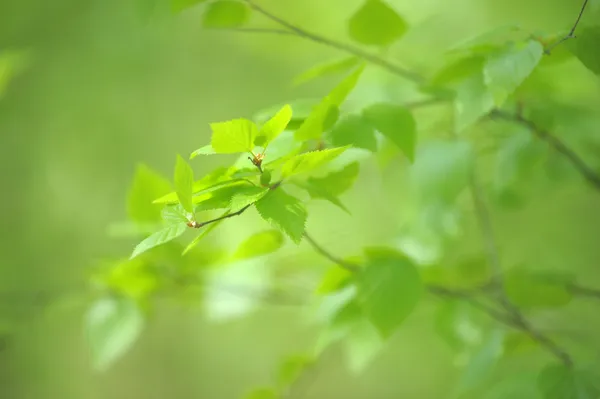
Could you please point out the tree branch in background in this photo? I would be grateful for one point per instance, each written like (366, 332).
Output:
(571, 34)
(584, 169)
(300, 32)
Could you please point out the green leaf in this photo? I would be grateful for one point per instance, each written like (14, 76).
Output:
(389, 288)
(473, 100)
(265, 177)
(334, 279)
(276, 125)
(340, 181)
(260, 244)
(396, 123)
(206, 150)
(180, 5)
(233, 136)
(160, 237)
(316, 122)
(225, 14)
(527, 289)
(246, 196)
(203, 233)
(356, 131)
(495, 36)
(217, 178)
(263, 393)
(376, 23)
(320, 192)
(330, 68)
(291, 369)
(175, 214)
(113, 325)
(147, 185)
(362, 345)
(184, 183)
(585, 47)
(505, 71)
(556, 381)
(310, 161)
(284, 212)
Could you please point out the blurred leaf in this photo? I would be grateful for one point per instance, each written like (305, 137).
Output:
(263, 393)
(376, 23)
(526, 289)
(11, 64)
(276, 125)
(473, 100)
(219, 177)
(147, 185)
(259, 244)
(340, 181)
(206, 150)
(556, 381)
(468, 273)
(291, 369)
(233, 136)
(396, 123)
(180, 5)
(265, 178)
(334, 279)
(203, 233)
(314, 125)
(184, 183)
(160, 237)
(113, 325)
(495, 36)
(220, 198)
(441, 169)
(225, 14)
(318, 191)
(585, 47)
(454, 323)
(389, 288)
(310, 161)
(459, 69)
(133, 278)
(284, 212)
(362, 345)
(301, 109)
(354, 130)
(330, 68)
(247, 195)
(505, 71)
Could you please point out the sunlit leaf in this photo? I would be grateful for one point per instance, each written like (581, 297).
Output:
(284, 212)
(276, 125)
(233, 136)
(113, 325)
(206, 150)
(318, 191)
(585, 47)
(174, 214)
(376, 23)
(330, 68)
(310, 161)
(160, 237)
(396, 123)
(184, 183)
(247, 195)
(339, 181)
(356, 131)
(147, 185)
(225, 14)
(259, 244)
(389, 288)
(333, 280)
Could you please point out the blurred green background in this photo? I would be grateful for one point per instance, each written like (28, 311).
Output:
(108, 86)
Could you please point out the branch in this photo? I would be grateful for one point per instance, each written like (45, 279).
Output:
(577, 289)
(571, 34)
(350, 267)
(300, 32)
(584, 169)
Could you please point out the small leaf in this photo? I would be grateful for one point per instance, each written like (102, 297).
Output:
(203, 233)
(585, 47)
(276, 125)
(225, 14)
(147, 185)
(180, 5)
(330, 68)
(334, 279)
(505, 71)
(160, 237)
(376, 23)
(233, 136)
(284, 212)
(389, 288)
(310, 161)
(396, 123)
(245, 196)
(356, 131)
(184, 183)
(206, 150)
(259, 244)
(113, 326)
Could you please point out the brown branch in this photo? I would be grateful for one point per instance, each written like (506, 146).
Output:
(372, 58)
(571, 34)
(579, 164)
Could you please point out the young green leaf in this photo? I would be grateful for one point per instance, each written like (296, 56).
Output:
(396, 123)
(310, 161)
(585, 47)
(225, 14)
(284, 212)
(174, 214)
(356, 131)
(160, 237)
(184, 183)
(317, 191)
(247, 195)
(206, 150)
(389, 288)
(259, 244)
(147, 185)
(505, 71)
(291, 369)
(275, 126)
(339, 181)
(233, 136)
(330, 68)
(376, 23)
(180, 5)
(362, 345)
(112, 325)
(316, 122)
(473, 100)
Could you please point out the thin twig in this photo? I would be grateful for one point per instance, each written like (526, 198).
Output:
(577, 289)
(197, 225)
(372, 58)
(579, 164)
(351, 267)
(259, 30)
(571, 34)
